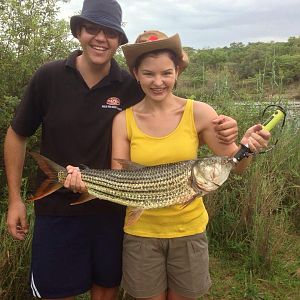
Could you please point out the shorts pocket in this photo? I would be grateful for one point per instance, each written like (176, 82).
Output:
(200, 280)
(131, 243)
(199, 243)
(198, 252)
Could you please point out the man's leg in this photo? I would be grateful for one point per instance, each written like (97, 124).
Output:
(101, 293)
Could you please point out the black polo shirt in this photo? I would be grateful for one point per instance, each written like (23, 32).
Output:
(76, 123)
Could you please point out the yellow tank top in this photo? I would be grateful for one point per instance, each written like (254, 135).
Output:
(181, 144)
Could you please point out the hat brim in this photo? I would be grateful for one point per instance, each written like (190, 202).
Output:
(76, 21)
(173, 43)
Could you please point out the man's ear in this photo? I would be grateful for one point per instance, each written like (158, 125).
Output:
(120, 40)
(78, 31)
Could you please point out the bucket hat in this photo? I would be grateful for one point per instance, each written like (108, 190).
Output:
(107, 13)
(152, 40)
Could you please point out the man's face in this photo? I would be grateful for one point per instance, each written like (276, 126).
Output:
(99, 43)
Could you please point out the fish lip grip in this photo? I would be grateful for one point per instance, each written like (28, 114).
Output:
(275, 118)
(268, 125)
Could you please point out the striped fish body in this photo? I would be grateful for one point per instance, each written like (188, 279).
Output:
(142, 187)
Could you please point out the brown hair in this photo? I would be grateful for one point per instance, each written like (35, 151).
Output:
(155, 53)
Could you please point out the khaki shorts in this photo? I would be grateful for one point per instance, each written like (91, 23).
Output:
(153, 265)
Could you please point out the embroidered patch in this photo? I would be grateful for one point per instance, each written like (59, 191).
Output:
(113, 101)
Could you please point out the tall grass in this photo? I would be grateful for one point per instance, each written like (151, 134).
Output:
(15, 258)
(250, 215)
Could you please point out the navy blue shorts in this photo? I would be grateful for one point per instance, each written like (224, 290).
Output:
(71, 253)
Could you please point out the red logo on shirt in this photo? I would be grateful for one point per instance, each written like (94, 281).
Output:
(113, 101)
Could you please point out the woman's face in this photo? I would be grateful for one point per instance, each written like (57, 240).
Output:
(157, 75)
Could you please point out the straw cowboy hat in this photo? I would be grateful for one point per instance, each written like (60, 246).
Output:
(154, 40)
(107, 13)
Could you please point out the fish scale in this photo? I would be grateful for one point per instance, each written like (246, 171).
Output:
(137, 186)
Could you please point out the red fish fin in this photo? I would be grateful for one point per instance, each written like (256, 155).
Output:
(133, 215)
(128, 165)
(83, 198)
(46, 188)
(51, 169)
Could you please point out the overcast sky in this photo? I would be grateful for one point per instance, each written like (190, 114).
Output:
(208, 23)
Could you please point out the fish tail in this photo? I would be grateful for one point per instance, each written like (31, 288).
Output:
(51, 169)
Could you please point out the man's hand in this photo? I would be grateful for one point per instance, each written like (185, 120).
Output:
(16, 219)
(226, 129)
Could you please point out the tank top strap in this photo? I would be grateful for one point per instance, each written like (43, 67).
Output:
(188, 116)
(130, 122)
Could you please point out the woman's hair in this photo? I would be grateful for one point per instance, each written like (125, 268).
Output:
(155, 53)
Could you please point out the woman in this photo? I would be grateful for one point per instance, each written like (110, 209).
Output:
(165, 252)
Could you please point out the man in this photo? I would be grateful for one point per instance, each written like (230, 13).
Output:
(76, 248)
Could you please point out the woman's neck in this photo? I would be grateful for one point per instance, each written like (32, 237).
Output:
(167, 104)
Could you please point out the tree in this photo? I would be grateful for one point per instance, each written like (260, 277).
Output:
(30, 34)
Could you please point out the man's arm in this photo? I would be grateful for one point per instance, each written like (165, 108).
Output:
(14, 155)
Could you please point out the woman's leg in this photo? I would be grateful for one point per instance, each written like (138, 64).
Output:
(162, 296)
(171, 295)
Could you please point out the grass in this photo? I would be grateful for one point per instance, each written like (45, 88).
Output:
(232, 280)
(14, 263)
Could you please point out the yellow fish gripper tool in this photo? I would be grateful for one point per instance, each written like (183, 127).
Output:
(277, 116)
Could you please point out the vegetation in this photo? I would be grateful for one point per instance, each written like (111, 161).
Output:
(254, 218)
(256, 66)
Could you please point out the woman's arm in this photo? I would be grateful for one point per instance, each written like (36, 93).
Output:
(255, 137)
(204, 115)
(120, 142)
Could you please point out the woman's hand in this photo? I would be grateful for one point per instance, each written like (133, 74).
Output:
(73, 180)
(256, 138)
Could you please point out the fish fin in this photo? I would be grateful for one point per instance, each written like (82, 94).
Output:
(50, 168)
(47, 187)
(133, 215)
(128, 164)
(83, 198)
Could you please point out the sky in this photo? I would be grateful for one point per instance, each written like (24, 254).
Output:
(208, 23)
